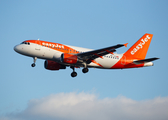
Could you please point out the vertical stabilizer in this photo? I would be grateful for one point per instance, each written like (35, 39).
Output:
(140, 48)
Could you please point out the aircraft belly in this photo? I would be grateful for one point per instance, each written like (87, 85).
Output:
(106, 62)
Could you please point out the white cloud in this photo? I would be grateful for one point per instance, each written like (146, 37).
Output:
(84, 106)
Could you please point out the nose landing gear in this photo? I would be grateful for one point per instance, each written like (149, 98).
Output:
(33, 64)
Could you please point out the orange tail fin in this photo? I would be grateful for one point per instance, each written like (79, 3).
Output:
(140, 48)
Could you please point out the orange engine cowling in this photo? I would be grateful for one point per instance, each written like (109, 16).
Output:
(69, 58)
(52, 65)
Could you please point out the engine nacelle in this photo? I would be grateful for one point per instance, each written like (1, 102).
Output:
(52, 65)
(69, 58)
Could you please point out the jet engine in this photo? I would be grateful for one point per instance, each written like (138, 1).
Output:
(52, 65)
(69, 58)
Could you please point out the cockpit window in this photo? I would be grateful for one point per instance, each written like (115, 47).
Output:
(25, 43)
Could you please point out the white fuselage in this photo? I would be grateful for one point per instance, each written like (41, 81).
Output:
(43, 52)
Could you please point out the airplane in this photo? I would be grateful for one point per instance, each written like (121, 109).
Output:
(59, 56)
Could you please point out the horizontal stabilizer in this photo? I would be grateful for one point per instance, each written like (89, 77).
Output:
(145, 60)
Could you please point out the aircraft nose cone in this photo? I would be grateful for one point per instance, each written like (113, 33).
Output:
(16, 48)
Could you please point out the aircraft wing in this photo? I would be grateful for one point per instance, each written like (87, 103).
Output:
(91, 55)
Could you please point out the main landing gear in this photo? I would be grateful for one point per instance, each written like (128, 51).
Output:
(74, 74)
(85, 70)
(33, 64)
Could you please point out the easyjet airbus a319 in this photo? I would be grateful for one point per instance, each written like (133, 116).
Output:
(58, 56)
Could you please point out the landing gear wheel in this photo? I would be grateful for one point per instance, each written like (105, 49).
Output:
(73, 74)
(85, 70)
(33, 65)
(34, 58)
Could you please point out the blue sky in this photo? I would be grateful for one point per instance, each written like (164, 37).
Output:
(92, 24)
